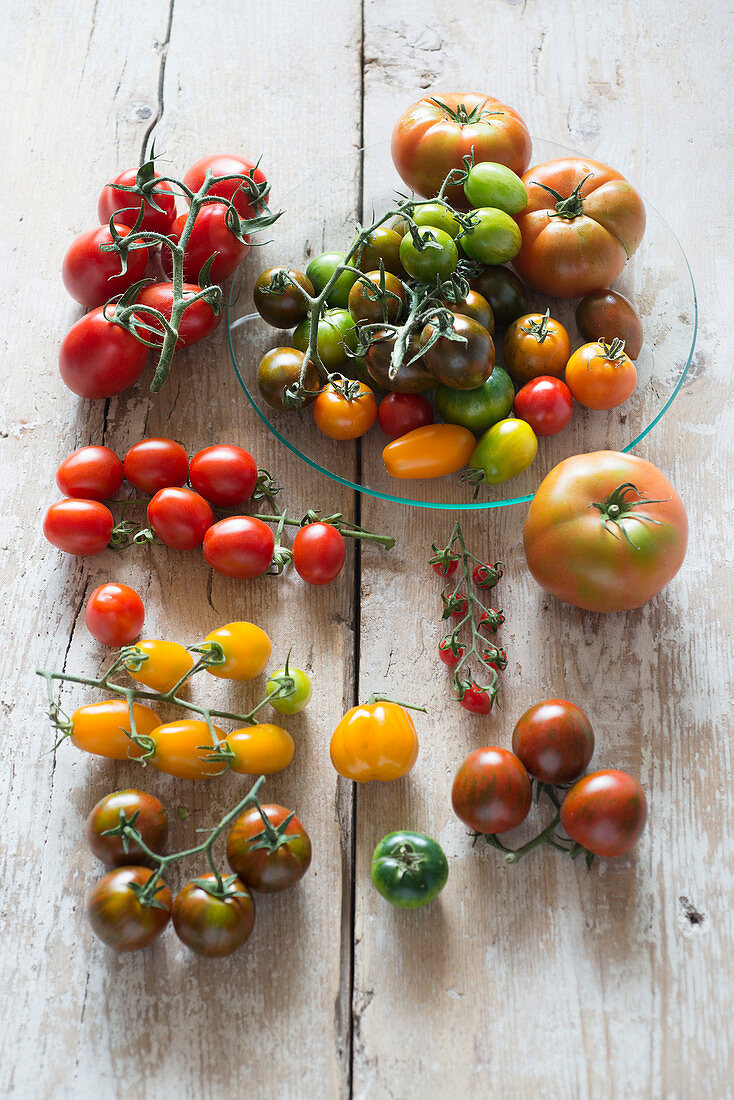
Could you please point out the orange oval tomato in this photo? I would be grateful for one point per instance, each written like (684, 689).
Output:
(246, 649)
(536, 345)
(260, 750)
(181, 748)
(582, 222)
(601, 375)
(339, 417)
(165, 664)
(100, 728)
(374, 741)
(431, 451)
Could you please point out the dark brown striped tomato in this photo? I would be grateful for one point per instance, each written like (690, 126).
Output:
(491, 791)
(605, 812)
(143, 811)
(461, 365)
(554, 740)
(275, 866)
(117, 916)
(212, 926)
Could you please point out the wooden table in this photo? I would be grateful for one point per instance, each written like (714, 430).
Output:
(540, 980)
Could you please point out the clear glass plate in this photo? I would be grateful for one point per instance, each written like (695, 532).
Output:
(657, 280)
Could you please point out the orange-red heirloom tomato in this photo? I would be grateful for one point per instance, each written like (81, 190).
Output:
(339, 417)
(582, 223)
(435, 133)
(605, 812)
(605, 531)
(534, 346)
(374, 741)
(431, 451)
(600, 375)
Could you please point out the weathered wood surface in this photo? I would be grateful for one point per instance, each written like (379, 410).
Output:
(535, 980)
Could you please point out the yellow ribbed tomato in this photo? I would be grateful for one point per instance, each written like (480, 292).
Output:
(374, 741)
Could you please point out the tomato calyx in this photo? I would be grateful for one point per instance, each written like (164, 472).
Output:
(221, 887)
(616, 509)
(569, 207)
(409, 861)
(272, 836)
(612, 353)
(463, 115)
(444, 561)
(487, 575)
(538, 329)
(125, 830)
(146, 892)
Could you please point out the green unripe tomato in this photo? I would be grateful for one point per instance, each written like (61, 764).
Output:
(477, 409)
(300, 698)
(320, 270)
(495, 185)
(337, 330)
(504, 451)
(429, 263)
(409, 869)
(436, 215)
(494, 239)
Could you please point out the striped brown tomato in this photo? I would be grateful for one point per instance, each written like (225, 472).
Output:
(143, 811)
(491, 791)
(119, 917)
(266, 856)
(554, 740)
(209, 924)
(605, 812)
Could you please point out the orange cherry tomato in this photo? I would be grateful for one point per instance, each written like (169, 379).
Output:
(260, 750)
(100, 728)
(536, 345)
(601, 375)
(246, 649)
(339, 417)
(431, 451)
(181, 748)
(165, 664)
(374, 741)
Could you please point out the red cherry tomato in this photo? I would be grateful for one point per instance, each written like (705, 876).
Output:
(78, 526)
(491, 791)
(99, 358)
(224, 475)
(91, 473)
(445, 568)
(155, 463)
(546, 404)
(496, 657)
(487, 575)
(447, 655)
(210, 234)
(401, 412)
(180, 518)
(318, 553)
(114, 615)
(125, 206)
(199, 319)
(490, 620)
(226, 164)
(477, 700)
(605, 812)
(239, 546)
(460, 606)
(93, 277)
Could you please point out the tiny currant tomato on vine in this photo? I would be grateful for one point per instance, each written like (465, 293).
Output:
(209, 925)
(240, 547)
(340, 417)
(267, 859)
(491, 791)
(554, 740)
(155, 463)
(605, 812)
(93, 277)
(447, 654)
(476, 699)
(400, 413)
(487, 575)
(180, 518)
(224, 475)
(78, 526)
(114, 615)
(116, 915)
(495, 656)
(143, 811)
(164, 664)
(246, 649)
(124, 206)
(98, 358)
(318, 553)
(239, 192)
(91, 473)
(459, 606)
(446, 568)
(490, 620)
(298, 698)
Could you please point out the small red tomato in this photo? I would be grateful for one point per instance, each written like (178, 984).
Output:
(487, 575)
(210, 234)
(224, 475)
(554, 740)
(154, 464)
(491, 791)
(98, 358)
(447, 567)
(546, 404)
(401, 412)
(198, 320)
(318, 553)
(239, 546)
(93, 277)
(125, 206)
(78, 526)
(490, 620)
(496, 657)
(459, 606)
(91, 473)
(447, 654)
(605, 812)
(477, 700)
(114, 615)
(180, 518)
(227, 164)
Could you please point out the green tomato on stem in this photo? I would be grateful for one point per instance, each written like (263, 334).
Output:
(409, 869)
(480, 408)
(494, 238)
(337, 331)
(320, 270)
(494, 185)
(298, 699)
(436, 259)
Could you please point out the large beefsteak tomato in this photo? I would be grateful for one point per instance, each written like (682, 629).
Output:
(582, 223)
(605, 531)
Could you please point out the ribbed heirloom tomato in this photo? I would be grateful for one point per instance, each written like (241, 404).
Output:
(605, 812)
(376, 740)
(491, 791)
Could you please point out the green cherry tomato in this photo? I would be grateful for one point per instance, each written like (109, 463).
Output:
(289, 704)
(495, 185)
(286, 308)
(437, 216)
(505, 293)
(337, 331)
(320, 270)
(494, 239)
(409, 869)
(504, 451)
(429, 263)
(382, 244)
(480, 408)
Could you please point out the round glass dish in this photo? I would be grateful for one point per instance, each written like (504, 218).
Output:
(657, 280)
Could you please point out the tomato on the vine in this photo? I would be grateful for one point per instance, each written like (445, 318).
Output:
(259, 750)
(459, 605)
(103, 728)
(180, 518)
(476, 699)
(601, 375)
(184, 748)
(374, 741)
(491, 791)
(92, 277)
(237, 191)
(165, 664)
(90, 473)
(436, 258)
(437, 216)
(224, 475)
(382, 244)
(246, 650)
(239, 546)
(546, 404)
(156, 463)
(432, 451)
(487, 575)
(285, 307)
(98, 358)
(536, 345)
(143, 811)
(495, 185)
(494, 237)
(490, 620)
(198, 320)
(320, 270)
(268, 867)
(336, 336)
(463, 364)
(409, 869)
(299, 697)
(124, 206)
(400, 413)
(79, 526)
(209, 925)
(341, 417)
(450, 652)
(605, 812)
(211, 233)
(318, 553)
(117, 916)
(447, 566)
(114, 614)
(474, 305)
(554, 740)
(280, 368)
(369, 304)
(413, 375)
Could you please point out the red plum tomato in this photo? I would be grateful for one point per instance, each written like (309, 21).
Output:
(180, 518)
(91, 473)
(156, 463)
(79, 526)
(114, 615)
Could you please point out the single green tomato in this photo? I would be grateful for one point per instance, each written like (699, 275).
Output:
(477, 409)
(494, 239)
(409, 869)
(429, 262)
(294, 703)
(337, 331)
(504, 451)
(320, 270)
(495, 185)
(437, 216)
